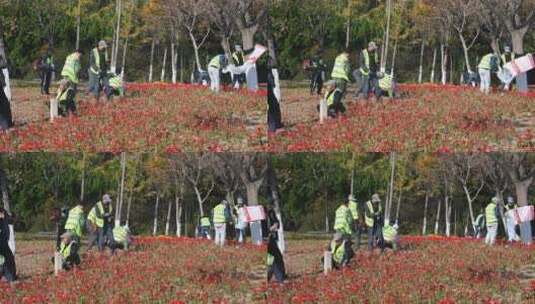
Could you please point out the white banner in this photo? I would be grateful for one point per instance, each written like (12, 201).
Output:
(521, 65)
(521, 214)
(259, 50)
(254, 213)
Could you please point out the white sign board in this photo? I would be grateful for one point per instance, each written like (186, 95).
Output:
(521, 214)
(259, 50)
(254, 213)
(521, 65)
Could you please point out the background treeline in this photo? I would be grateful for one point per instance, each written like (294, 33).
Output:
(445, 190)
(163, 36)
(430, 34)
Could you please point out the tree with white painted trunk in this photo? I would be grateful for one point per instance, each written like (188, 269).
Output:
(6, 203)
(467, 169)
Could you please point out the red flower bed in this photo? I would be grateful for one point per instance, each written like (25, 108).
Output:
(426, 270)
(429, 117)
(162, 270)
(157, 117)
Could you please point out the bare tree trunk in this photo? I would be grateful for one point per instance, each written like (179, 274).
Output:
(433, 66)
(115, 49)
(470, 200)
(394, 57)
(387, 33)
(128, 208)
(465, 51)
(273, 185)
(178, 216)
(390, 187)
(118, 209)
(447, 214)
(443, 64)
(123, 65)
(199, 200)
(78, 21)
(155, 225)
(398, 207)
(173, 63)
(424, 225)
(348, 23)
(151, 64)
(437, 220)
(247, 35)
(517, 38)
(521, 189)
(421, 67)
(168, 221)
(162, 77)
(252, 193)
(195, 50)
(182, 65)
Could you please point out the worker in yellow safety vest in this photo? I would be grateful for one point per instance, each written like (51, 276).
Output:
(488, 65)
(366, 76)
(341, 251)
(390, 236)
(341, 75)
(76, 222)
(216, 65)
(122, 237)
(386, 86)
(220, 217)
(115, 85)
(343, 221)
(101, 223)
(374, 222)
(69, 251)
(98, 69)
(68, 85)
(492, 215)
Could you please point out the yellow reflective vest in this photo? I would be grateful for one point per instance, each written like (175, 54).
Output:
(353, 207)
(365, 70)
(341, 68)
(338, 252)
(71, 68)
(215, 62)
(370, 220)
(65, 249)
(389, 233)
(219, 214)
(120, 235)
(490, 214)
(343, 220)
(99, 214)
(75, 221)
(205, 221)
(96, 57)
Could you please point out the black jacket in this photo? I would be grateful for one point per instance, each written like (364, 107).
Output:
(4, 231)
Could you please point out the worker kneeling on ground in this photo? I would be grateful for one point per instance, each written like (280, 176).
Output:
(122, 237)
(390, 236)
(69, 251)
(341, 76)
(341, 251)
(116, 86)
(333, 99)
(387, 86)
(68, 85)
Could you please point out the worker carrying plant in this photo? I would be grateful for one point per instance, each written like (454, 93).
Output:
(68, 85)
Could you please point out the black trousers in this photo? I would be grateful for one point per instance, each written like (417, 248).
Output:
(316, 82)
(277, 269)
(6, 118)
(274, 114)
(9, 270)
(46, 76)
